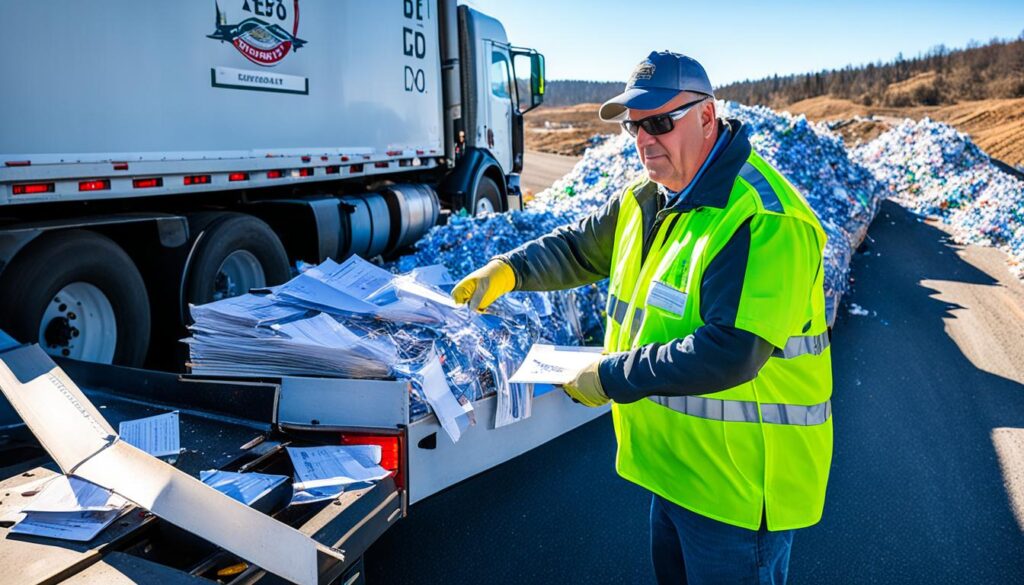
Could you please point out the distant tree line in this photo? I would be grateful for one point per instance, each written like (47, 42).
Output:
(569, 92)
(940, 76)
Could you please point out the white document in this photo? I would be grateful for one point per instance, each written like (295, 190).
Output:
(555, 364)
(66, 493)
(81, 441)
(336, 465)
(244, 487)
(70, 508)
(452, 415)
(358, 277)
(311, 495)
(77, 526)
(159, 435)
(308, 291)
(433, 275)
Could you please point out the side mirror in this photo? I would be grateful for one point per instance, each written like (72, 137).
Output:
(521, 58)
(536, 80)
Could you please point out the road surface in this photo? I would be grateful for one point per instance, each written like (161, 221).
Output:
(929, 406)
(541, 169)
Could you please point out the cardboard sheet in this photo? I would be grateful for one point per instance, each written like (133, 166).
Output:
(82, 443)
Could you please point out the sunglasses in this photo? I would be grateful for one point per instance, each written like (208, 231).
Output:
(660, 123)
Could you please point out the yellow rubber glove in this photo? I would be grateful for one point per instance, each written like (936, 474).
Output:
(484, 285)
(586, 388)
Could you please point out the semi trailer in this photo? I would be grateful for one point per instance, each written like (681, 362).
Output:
(154, 155)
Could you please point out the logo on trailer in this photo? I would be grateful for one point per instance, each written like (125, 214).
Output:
(264, 42)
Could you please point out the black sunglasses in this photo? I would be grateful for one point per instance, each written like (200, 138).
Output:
(660, 123)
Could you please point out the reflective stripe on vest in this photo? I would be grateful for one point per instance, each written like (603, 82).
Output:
(638, 318)
(803, 344)
(617, 309)
(746, 411)
(760, 184)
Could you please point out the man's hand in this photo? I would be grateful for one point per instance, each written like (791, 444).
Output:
(586, 388)
(484, 285)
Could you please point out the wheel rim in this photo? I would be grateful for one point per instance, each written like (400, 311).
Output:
(238, 273)
(79, 323)
(484, 205)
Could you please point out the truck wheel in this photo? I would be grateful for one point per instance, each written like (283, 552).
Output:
(488, 197)
(78, 295)
(235, 252)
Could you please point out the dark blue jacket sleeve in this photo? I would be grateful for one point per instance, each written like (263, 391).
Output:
(717, 356)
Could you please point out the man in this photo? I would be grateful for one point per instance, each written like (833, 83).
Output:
(718, 365)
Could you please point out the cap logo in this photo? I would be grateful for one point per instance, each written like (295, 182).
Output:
(643, 71)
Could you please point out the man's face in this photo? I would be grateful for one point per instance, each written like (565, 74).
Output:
(673, 158)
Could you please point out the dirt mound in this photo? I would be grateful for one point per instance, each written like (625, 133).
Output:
(996, 125)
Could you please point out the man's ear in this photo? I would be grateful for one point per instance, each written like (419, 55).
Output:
(708, 118)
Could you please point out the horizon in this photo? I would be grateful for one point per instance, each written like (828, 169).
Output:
(771, 48)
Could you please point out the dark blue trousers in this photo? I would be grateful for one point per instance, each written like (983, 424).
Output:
(693, 549)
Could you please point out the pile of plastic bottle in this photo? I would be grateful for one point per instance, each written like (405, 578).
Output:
(844, 195)
(934, 170)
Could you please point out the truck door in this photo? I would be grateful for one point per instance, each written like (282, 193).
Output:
(500, 98)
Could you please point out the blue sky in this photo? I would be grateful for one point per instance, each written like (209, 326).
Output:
(603, 40)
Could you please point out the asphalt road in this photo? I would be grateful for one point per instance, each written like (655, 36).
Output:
(540, 169)
(928, 404)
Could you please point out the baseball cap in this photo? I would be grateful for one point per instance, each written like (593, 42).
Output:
(656, 80)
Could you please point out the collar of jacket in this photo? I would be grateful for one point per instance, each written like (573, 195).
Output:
(714, 186)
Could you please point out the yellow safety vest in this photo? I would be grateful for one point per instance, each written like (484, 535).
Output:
(764, 446)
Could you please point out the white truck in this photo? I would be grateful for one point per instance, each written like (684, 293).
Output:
(156, 154)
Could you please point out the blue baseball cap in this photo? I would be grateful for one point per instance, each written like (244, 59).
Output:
(656, 80)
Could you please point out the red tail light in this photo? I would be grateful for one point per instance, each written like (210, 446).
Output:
(32, 188)
(147, 183)
(120, 166)
(197, 180)
(392, 451)
(275, 174)
(306, 172)
(332, 170)
(356, 168)
(238, 177)
(97, 185)
(381, 164)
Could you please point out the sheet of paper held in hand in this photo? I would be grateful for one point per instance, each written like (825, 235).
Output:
(554, 364)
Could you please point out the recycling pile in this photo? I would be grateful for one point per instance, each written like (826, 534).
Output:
(844, 195)
(932, 169)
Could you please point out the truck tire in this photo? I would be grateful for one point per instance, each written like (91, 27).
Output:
(79, 295)
(234, 252)
(487, 198)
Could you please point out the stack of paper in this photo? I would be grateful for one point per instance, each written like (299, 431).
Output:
(357, 320)
(314, 346)
(242, 315)
(70, 508)
(322, 473)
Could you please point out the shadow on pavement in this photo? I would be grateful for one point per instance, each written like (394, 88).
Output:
(916, 494)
